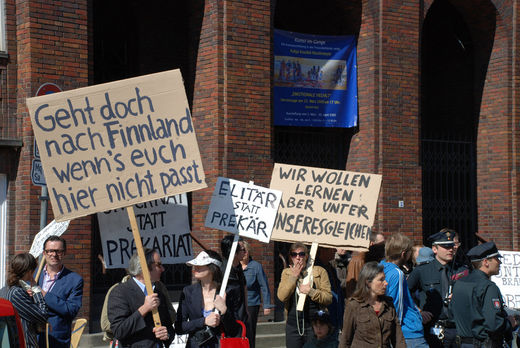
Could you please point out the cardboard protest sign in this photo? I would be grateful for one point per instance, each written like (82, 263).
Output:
(508, 280)
(164, 226)
(334, 208)
(243, 208)
(52, 229)
(116, 144)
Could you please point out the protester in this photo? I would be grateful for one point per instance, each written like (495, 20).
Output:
(376, 252)
(336, 269)
(196, 315)
(425, 255)
(63, 292)
(26, 297)
(257, 289)
(130, 307)
(108, 335)
(324, 333)
(340, 264)
(298, 325)
(398, 251)
(477, 306)
(434, 280)
(370, 318)
(237, 279)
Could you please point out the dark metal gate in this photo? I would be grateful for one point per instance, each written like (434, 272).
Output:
(449, 188)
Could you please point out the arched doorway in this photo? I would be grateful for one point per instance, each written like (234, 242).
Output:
(449, 120)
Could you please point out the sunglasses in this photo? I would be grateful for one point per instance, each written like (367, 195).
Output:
(300, 254)
(54, 251)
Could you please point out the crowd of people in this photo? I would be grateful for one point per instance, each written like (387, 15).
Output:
(394, 295)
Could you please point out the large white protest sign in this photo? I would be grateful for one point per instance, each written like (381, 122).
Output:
(164, 226)
(334, 208)
(242, 208)
(52, 229)
(112, 145)
(508, 280)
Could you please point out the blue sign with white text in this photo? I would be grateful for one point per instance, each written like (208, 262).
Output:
(315, 80)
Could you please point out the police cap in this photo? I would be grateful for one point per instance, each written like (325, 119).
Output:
(483, 251)
(444, 237)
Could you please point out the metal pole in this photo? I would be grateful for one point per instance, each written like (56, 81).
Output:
(44, 198)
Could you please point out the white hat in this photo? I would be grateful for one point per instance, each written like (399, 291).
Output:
(203, 259)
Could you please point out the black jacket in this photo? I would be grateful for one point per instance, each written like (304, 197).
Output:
(190, 318)
(127, 324)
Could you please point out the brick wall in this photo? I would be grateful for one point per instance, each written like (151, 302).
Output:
(48, 42)
(388, 138)
(497, 140)
(232, 106)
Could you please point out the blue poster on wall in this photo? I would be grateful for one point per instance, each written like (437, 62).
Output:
(315, 80)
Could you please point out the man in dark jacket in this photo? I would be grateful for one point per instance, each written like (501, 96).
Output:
(434, 281)
(130, 307)
(477, 306)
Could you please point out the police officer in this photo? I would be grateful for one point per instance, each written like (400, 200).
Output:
(477, 306)
(434, 281)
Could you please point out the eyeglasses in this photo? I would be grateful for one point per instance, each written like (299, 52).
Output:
(158, 264)
(300, 254)
(54, 251)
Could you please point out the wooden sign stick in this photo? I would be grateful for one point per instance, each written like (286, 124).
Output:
(142, 260)
(308, 277)
(40, 267)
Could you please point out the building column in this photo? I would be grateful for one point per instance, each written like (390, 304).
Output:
(388, 141)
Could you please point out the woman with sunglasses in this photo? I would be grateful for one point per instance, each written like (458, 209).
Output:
(298, 329)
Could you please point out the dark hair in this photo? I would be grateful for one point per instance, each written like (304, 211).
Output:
(322, 316)
(226, 243)
(215, 270)
(368, 273)
(134, 264)
(19, 265)
(55, 239)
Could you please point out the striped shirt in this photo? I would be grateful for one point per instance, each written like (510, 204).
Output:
(32, 311)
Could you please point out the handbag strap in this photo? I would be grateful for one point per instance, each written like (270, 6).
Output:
(243, 329)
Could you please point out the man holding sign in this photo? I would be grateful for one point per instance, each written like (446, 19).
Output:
(130, 307)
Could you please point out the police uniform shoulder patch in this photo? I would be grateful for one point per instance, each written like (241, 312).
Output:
(459, 275)
(496, 303)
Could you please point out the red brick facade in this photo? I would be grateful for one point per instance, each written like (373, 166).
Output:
(49, 42)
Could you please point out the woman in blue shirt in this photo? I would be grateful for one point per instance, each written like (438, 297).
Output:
(256, 282)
